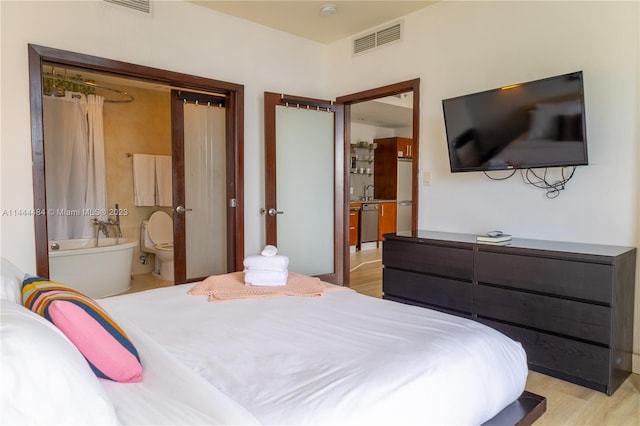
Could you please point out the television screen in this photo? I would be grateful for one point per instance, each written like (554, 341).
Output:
(530, 125)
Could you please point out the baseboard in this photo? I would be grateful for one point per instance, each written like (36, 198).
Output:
(369, 246)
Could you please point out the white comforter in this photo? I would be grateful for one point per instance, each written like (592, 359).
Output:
(342, 358)
(170, 393)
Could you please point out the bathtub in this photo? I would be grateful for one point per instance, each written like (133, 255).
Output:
(95, 270)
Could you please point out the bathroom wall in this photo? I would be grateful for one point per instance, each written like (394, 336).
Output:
(141, 127)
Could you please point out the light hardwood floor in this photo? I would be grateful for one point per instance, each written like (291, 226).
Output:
(567, 404)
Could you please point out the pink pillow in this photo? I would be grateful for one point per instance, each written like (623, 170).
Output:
(110, 353)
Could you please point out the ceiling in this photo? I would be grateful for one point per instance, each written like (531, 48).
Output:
(305, 19)
(384, 112)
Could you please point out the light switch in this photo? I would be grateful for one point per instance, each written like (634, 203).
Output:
(426, 178)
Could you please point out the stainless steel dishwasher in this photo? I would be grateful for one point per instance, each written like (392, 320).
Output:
(369, 222)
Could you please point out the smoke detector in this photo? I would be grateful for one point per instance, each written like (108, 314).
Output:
(328, 9)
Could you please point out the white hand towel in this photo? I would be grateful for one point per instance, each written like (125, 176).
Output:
(268, 263)
(144, 184)
(265, 278)
(164, 195)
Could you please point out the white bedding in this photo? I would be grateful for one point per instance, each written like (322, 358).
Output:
(342, 358)
(170, 393)
(537, 151)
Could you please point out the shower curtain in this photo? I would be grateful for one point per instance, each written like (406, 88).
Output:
(97, 179)
(205, 190)
(74, 164)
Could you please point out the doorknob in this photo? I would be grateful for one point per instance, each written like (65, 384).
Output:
(181, 209)
(271, 211)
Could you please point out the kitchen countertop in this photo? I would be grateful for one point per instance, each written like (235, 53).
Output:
(375, 200)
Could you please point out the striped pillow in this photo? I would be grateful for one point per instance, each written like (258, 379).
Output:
(99, 339)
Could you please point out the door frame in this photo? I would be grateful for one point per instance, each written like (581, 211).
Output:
(344, 103)
(271, 102)
(38, 55)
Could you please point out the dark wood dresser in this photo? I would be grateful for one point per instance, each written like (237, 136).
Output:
(569, 304)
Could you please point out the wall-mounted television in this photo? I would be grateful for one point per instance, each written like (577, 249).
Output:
(529, 125)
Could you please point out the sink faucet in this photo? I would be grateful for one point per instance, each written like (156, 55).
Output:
(366, 188)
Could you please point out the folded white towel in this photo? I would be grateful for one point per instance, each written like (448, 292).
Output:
(164, 193)
(144, 183)
(267, 263)
(265, 278)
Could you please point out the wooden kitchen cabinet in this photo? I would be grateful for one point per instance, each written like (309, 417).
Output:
(387, 215)
(385, 167)
(404, 147)
(400, 147)
(354, 225)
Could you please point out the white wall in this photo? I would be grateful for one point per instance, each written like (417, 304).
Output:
(177, 36)
(457, 48)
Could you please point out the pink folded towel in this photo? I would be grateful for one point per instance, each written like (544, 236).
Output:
(265, 278)
(266, 263)
(231, 287)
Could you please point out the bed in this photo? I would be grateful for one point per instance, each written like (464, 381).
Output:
(340, 358)
(525, 150)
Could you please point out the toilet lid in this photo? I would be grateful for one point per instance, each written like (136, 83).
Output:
(160, 228)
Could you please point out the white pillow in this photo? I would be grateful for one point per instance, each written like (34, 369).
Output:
(10, 281)
(45, 380)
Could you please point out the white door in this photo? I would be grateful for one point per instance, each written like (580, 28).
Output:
(300, 211)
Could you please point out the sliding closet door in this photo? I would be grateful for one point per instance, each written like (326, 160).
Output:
(200, 213)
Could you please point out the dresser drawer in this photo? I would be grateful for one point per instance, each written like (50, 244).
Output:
(428, 306)
(430, 259)
(567, 317)
(432, 290)
(566, 356)
(579, 280)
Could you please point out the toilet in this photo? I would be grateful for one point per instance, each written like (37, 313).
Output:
(156, 236)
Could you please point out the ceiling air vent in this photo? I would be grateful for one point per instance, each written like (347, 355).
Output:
(139, 5)
(377, 38)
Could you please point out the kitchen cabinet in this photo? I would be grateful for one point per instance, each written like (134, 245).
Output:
(398, 147)
(387, 215)
(388, 160)
(404, 147)
(354, 225)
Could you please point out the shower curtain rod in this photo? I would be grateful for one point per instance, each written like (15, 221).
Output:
(57, 77)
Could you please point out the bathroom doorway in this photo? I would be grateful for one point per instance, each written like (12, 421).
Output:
(161, 82)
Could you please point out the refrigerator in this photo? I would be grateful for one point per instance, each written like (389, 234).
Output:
(403, 194)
